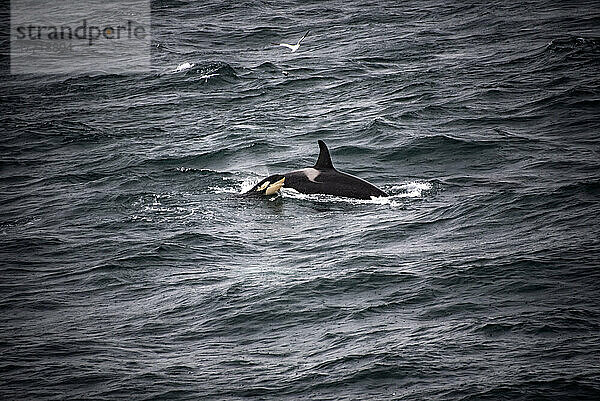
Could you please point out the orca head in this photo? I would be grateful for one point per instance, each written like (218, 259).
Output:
(267, 187)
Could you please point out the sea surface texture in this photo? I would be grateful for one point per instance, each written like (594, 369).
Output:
(130, 267)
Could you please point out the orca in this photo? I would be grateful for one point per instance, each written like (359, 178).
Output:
(322, 178)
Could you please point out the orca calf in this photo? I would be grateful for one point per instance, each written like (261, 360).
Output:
(322, 178)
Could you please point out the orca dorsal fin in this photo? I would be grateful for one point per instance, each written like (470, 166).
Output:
(324, 160)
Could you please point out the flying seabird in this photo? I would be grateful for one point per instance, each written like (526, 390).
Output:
(295, 47)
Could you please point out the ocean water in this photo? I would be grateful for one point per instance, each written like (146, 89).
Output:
(131, 269)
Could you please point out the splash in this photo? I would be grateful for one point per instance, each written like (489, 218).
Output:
(397, 192)
(236, 189)
(206, 76)
(183, 67)
(248, 183)
(293, 194)
(413, 189)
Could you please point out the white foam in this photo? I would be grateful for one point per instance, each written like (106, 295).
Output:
(226, 190)
(375, 200)
(248, 183)
(183, 67)
(412, 189)
(206, 76)
(245, 186)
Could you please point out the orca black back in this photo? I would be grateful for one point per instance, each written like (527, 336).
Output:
(322, 178)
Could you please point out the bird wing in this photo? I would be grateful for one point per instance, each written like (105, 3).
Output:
(302, 38)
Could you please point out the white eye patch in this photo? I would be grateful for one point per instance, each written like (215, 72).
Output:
(263, 186)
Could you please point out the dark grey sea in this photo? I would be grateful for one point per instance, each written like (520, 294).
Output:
(130, 267)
